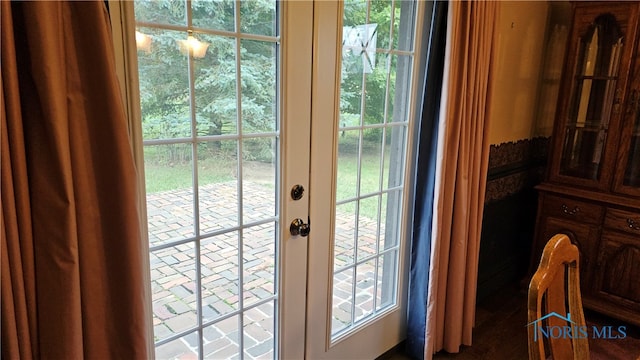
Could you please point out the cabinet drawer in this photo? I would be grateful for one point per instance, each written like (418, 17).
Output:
(573, 209)
(623, 221)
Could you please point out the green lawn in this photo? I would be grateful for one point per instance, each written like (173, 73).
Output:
(160, 177)
(171, 176)
(369, 182)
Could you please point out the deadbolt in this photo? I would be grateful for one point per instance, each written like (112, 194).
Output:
(296, 192)
(298, 227)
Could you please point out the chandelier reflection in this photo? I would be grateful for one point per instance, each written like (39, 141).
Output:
(143, 42)
(193, 46)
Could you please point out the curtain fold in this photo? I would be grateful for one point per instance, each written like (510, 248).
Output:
(425, 180)
(462, 159)
(72, 274)
(17, 257)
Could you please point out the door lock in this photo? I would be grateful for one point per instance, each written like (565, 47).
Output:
(298, 227)
(296, 192)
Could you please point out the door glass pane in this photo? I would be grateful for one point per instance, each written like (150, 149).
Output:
(164, 90)
(161, 12)
(375, 85)
(215, 90)
(398, 105)
(387, 273)
(218, 185)
(209, 106)
(219, 257)
(179, 348)
(365, 288)
(367, 228)
(173, 287)
(343, 305)
(222, 339)
(259, 17)
(259, 340)
(345, 235)
(259, 179)
(348, 155)
(169, 178)
(394, 159)
(371, 160)
(215, 15)
(258, 68)
(259, 260)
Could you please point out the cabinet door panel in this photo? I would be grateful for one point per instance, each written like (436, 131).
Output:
(618, 275)
(581, 235)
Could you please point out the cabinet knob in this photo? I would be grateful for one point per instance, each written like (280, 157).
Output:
(565, 209)
(632, 224)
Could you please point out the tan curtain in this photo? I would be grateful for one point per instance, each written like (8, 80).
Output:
(72, 284)
(463, 151)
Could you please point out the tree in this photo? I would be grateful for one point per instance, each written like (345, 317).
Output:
(164, 71)
(166, 97)
(353, 72)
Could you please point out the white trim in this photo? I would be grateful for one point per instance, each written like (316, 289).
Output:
(295, 105)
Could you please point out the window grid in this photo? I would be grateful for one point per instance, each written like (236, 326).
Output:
(382, 255)
(192, 141)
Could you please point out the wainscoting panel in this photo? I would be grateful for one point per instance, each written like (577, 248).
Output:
(509, 212)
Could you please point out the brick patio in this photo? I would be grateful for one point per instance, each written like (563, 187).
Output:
(173, 271)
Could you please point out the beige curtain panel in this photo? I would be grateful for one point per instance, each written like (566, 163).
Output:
(72, 284)
(463, 153)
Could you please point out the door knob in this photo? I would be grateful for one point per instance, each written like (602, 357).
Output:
(298, 227)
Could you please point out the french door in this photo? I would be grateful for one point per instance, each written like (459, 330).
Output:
(362, 106)
(257, 121)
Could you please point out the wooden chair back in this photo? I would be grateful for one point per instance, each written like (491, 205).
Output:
(555, 284)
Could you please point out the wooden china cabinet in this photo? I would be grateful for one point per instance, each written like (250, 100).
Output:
(592, 187)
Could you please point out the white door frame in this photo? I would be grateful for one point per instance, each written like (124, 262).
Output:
(295, 136)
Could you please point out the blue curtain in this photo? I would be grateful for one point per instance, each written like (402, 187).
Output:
(425, 179)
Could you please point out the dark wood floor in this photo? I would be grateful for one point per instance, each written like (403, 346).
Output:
(501, 333)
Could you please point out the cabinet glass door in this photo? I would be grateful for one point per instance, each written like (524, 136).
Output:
(632, 170)
(595, 99)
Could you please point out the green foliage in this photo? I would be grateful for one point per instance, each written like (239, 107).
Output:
(169, 104)
(164, 71)
(259, 149)
(352, 63)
